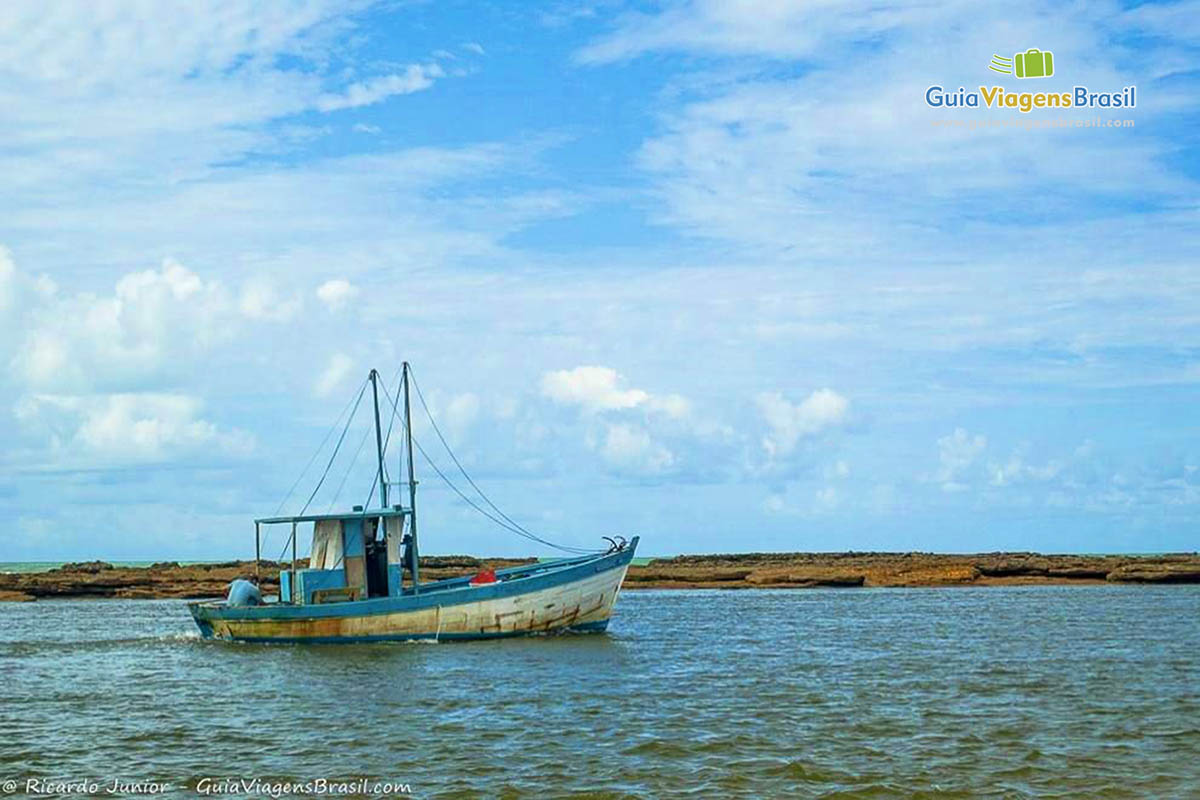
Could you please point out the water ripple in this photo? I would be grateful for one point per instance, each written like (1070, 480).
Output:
(1072, 692)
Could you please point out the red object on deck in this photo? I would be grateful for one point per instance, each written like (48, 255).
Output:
(484, 576)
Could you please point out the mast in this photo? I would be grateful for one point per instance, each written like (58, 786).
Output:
(383, 488)
(412, 486)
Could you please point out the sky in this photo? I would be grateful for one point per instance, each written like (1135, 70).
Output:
(711, 273)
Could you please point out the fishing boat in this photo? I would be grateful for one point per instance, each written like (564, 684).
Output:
(362, 582)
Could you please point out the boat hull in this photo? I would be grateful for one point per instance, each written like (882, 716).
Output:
(579, 597)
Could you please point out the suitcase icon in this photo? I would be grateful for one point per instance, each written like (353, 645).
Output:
(1034, 63)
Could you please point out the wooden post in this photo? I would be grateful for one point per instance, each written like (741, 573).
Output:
(383, 488)
(293, 583)
(412, 489)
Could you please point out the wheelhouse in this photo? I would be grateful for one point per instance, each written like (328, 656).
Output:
(363, 554)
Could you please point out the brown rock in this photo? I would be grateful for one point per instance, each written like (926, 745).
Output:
(1079, 573)
(85, 566)
(1003, 568)
(948, 575)
(720, 571)
(826, 580)
(1156, 573)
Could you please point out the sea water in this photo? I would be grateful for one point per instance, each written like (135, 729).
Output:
(965, 692)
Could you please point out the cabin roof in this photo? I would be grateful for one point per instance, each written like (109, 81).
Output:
(394, 511)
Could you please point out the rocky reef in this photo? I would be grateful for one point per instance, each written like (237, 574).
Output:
(169, 579)
(190, 581)
(745, 570)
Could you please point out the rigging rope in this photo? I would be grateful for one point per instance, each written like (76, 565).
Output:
(386, 440)
(458, 464)
(357, 452)
(503, 521)
(336, 448)
(500, 518)
(329, 465)
(266, 536)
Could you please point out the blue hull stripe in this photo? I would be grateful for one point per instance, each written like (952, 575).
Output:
(583, 628)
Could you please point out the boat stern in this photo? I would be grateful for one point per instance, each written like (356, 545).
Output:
(202, 615)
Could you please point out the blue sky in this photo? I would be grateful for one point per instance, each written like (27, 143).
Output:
(705, 272)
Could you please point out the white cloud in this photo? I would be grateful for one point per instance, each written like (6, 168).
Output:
(808, 162)
(735, 27)
(630, 447)
(957, 452)
(639, 432)
(627, 445)
(592, 388)
(98, 42)
(377, 210)
(84, 341)
(260, 299)
(804, 499)
(786, 29)
(137, 72)
(751, 151)
(789, 422)
(460, 414)
(1017, 469)
(672, 405)
(839, 469)
(335, 372)
(336, 293)
(827, 498)
(8, 280)
(86, 368)
(474, 47)
(415, 78)
(596, 389)
(123, 428)
(148, 99)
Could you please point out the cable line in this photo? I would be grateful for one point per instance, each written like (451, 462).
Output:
(316, 453)
(495, 515)
(357, 452)
(336, 448)
(461, 469)
(328, 466)
(387, 439)
(503, 520)
(266, 536)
